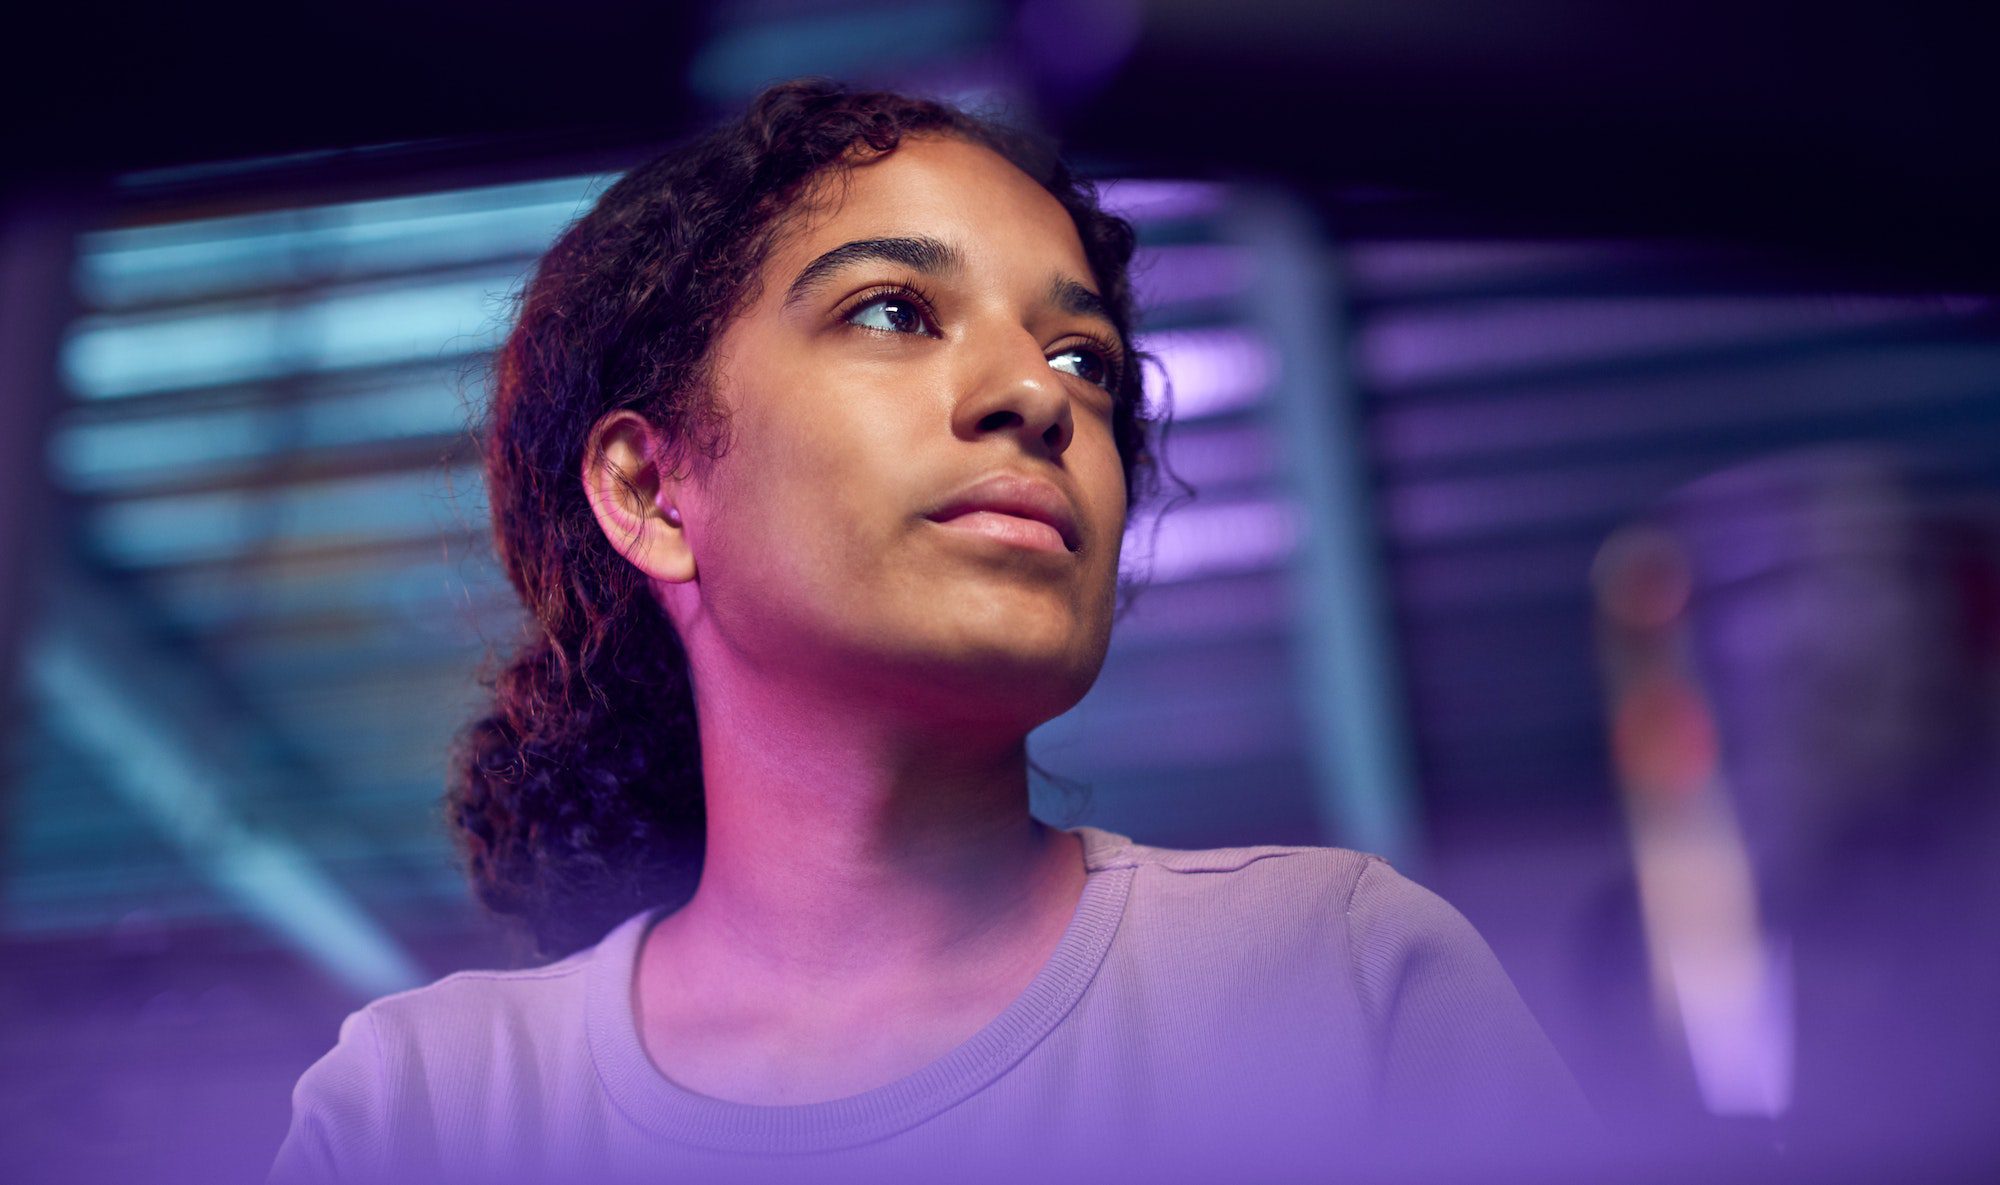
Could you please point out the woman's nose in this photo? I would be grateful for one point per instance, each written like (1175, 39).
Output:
(1013, 390)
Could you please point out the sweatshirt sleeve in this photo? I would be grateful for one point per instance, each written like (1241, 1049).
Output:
(339, 1127)
(1463, 1065)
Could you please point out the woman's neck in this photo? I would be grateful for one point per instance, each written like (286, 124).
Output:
(848, 851)
(867, 903)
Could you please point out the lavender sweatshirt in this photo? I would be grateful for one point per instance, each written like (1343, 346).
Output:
(1255, 1013)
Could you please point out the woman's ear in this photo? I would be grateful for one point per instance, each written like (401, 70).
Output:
(635, 496)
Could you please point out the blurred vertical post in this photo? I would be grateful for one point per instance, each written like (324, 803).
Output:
(38, 231)
(1355, 717)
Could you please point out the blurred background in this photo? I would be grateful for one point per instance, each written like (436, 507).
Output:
(1591, 416)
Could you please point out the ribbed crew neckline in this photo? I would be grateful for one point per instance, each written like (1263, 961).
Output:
(664, 1107)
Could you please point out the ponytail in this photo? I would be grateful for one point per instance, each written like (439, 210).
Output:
(577, 802)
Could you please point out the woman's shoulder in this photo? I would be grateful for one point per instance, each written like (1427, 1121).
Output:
(484, 998)
(427, 1051)
(1338, 868)
(1452, 1034)
(493, 1015)
(1384, 925)
(1313, 878)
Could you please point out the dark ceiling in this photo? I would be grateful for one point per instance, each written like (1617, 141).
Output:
(1860, 130)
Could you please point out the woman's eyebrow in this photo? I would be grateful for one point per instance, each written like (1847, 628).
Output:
(926, 255)
(1077, 299)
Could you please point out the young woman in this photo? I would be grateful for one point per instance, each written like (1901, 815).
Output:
(810, 455)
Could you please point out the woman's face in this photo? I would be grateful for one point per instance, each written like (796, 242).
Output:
(925, 324)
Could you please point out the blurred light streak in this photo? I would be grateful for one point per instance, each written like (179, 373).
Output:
(127, 454)
(1452, 510)
(860, 42)
(1226, 455)
(190, 528)
(1721, 984)
(1230, 609)
(427, 594)
(1427, 268)
(1846, 389)
(1163, 277)
(104, 705)
(1212, 372)
(187, 261)
(1149, 200)
(1485, 340)
(113, 357)
(1209, 540)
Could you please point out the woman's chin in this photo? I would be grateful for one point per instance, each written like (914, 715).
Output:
(1027, 687)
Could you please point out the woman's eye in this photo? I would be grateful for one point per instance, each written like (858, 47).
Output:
(891, 314)
(1085, 363)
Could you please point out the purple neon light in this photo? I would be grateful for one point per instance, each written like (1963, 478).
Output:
(1212, 371)
(1476, 341)
(1159, 201)
(1194, 273)
(1222, 539)
(1218, 458)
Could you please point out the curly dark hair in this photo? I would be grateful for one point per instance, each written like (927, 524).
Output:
(577, 800)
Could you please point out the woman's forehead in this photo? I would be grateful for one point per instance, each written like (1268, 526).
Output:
(992, 215)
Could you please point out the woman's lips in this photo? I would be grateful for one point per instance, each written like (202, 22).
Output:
(1012, 507)
(1007, 528)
